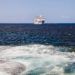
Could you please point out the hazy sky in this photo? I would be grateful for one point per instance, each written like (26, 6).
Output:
(24, 11)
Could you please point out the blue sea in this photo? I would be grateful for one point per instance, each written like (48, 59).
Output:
(28, 49)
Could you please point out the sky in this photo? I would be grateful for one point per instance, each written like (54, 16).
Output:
(24, 11)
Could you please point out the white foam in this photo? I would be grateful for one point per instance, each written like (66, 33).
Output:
(34, 56)
(11, 68)
(27, 50)
(4, 73)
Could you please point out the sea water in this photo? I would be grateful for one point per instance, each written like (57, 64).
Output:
(36, 53)
(40, 59)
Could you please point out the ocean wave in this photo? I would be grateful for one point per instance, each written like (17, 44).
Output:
(40, 59)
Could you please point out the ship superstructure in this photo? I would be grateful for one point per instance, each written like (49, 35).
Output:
(39, 20)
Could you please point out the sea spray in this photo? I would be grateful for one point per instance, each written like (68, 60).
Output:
(40, 59)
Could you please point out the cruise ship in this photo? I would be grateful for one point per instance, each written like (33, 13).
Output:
(39, 20)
